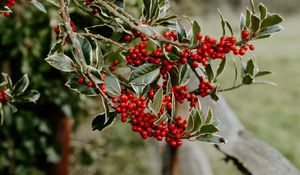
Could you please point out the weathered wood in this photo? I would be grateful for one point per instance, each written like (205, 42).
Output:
(192, 160)
(257, 157)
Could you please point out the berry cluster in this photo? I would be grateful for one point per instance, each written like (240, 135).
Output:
(137, 55)
(132, 109)
(170, 35)
(3, 96)
(9, 4)
(204, 87)
(181, 94)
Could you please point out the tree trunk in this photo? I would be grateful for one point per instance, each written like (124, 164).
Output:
(62, 138)
(170, 163)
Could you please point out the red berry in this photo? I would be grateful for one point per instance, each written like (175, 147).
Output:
(115, 100)
(90, 84)
(80, 80)
(198, 36)
(112, 68)
(115, 62)
(251, 47)
(127, 38)
(194, 64)
(6, 14)
(57, 30)
(168, 47)
(245, 34)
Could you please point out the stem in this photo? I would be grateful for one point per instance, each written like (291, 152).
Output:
(132, 25)
(89, 12)
(100, 37)
(231, 88)
(127, 15)
(66, 20)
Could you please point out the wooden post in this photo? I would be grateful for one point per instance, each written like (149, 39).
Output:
(170, 163)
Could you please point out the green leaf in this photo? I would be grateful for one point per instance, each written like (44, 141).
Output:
(85, 49)
(263, 11)
(5, 9)
(248, 18)
(213, 94)
(147, 30)
(55, 48)
(247, 79)
(173, 106)
(250, 67)
(81, 88)
(166, 19)
(209, 116)
(155, 105)
(255, 23)
(262, 73)
(210, 138)
(171, 56)
(112, 84)
(147, 8)
(271, 21)
(104, 30)
(8, 81)
(39, 6)
(185, 74)
(196, 117)
(163, 117)
(252, 6)
(138, 89)
(169, 85)
(180, 29)
(242, 21)
(229, 27)
(265, 82)
(144, 74)
(61, 62)
(235, 71)
(95, 74)
(1, 114)
(29, 96)
(174, 75)
(21, 85)
(99, 123)
(209, 73)
(196, 30)
(272, 29)
(208, 129)
(262, 36)
(222, 22)
(52, 155)
(221, 67)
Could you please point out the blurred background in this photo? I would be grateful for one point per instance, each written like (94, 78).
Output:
(29, 138)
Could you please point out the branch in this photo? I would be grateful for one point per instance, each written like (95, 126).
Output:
(132, 25)
(231, 88)
(100, 37)
(66, 20)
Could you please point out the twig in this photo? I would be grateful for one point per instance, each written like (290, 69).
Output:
(100, 37)
(120, 10)
(134, 26)
(66, 20)
(231, 88)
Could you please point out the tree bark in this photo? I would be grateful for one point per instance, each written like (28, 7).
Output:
(62, 138)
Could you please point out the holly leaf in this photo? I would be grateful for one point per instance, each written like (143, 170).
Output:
(100, 122)
(271, 21)
(208, 129)
(39, 6)
(144, 74)
(156, 103)
(21, 86)
(61, 62)
(211, 138)
(185, 75)
(112, 84)
(29, 96)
